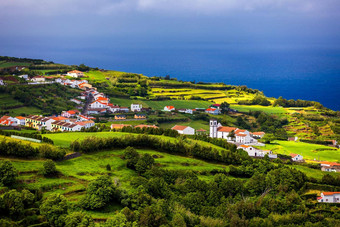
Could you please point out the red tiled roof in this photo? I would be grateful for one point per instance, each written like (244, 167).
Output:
(74, 71)
(330, 193)
(245, 146)
(240, 134)
(319, 198)
(293, 155)
(20, 118)
(201, 130)
(179, 127)
(226, 129)
(59, 118)
(258, 133)
(211, 109)
(170, 107)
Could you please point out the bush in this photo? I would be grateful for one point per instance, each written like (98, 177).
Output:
(49, 152)
(49, 168)
(8, 173)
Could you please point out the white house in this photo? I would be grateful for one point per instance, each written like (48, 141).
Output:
(113, 108)
(75, 73)
(329, 197)
(2, 83)
(243, 137)
(38, 79)
(330, 167)
(136, 107)
(169, 108)
(254, 152)
(20, 120)
(213, 111)
(296, 157)
(98, 104)
(258, 135)
(25, 76)
(124, 109)
(188, 111)
(85, 124)
(185, 130)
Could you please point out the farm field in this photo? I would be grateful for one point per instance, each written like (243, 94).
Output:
(266, 109)
(28, 110)
(216, 96)
(308, 151)
(4, 64)
(159, 105)
(194, 124)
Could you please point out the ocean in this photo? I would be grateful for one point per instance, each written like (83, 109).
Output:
(293, 72)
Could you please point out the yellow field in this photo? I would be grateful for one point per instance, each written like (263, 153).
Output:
(230, 96)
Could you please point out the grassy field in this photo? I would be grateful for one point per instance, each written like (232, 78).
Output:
(4, 64)
(317, 174)
(194, 124)
(267, 109)
(216, 96)
(308, 151)
(159, 105)
(76, 173)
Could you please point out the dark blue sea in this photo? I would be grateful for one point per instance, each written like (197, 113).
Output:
(308, 72)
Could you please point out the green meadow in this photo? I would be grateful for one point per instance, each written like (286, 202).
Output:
(307, 150)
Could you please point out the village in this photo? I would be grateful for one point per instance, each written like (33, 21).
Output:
(92, 103)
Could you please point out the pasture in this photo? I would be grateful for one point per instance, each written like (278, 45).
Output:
(307, 150)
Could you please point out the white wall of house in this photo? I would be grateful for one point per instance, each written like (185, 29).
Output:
(136, 107)
(97, 104)
(187, 131)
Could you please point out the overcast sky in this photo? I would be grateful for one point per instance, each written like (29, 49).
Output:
(280, 22)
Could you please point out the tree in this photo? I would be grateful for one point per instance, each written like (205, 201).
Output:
(79, 219)
(232, 134)
(98, 193)
(224, 107)
(54, 208)
(49, 168)
(118, 220)
(144, 163)
(268, 138)
(8, 173)
(108, 167)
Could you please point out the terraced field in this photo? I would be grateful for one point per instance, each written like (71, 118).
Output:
(216, 96)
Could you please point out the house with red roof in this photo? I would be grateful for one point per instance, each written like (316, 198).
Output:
(329, 197)
(185, 130)
(169, 108)
(75, 73)
(330, 166)
(98, 104)
(296, 157)
(70, 113)
(214, 111)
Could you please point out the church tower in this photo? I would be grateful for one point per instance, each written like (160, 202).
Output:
(213, 128)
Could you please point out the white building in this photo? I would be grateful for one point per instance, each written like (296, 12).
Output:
(25, 76)
(75, 73)
(296, 157)
(187, 111)
(213, 111)
(98, 104)
(254, 152)
(169, 108)
(136, 107)
(185, 130)
(329, 197)
(2, 83)
(38, 79)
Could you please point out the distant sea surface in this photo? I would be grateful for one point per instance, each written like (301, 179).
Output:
(308, 73)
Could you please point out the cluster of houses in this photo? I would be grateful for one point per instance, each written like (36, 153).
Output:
(59, 123)
(213, 109)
